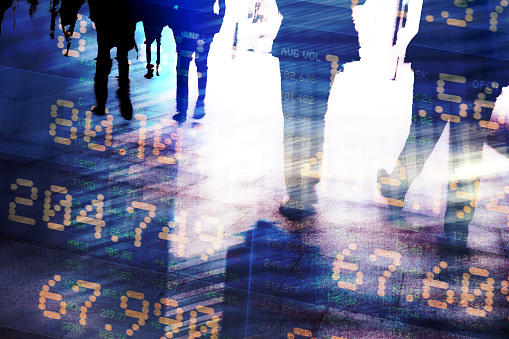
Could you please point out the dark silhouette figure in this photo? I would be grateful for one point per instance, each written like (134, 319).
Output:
(33, 8)
(314, 39)
(194, 26)
(460, 70)
(54, 9)
(152, 33)
(155, 16)
(4, 6)
(68, 16)
(115, 24)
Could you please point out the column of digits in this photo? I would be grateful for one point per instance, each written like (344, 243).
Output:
(143, 224)
(63, 122)
(49, 212)
(158, 145)
(98, 221)
(339, 264)
(22, 201)
(141, 316)
(108, 123)
(180, 238)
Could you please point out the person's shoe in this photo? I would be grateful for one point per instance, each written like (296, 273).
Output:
(99, 110)
(385, 189)
(150, 74)
(199, 110)
(126, 110)
(126, 107)
(180, 117)
(452, 247)
(296, 214)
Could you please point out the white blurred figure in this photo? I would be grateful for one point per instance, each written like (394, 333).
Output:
(369, 112)
(256, 31)
(242, 156)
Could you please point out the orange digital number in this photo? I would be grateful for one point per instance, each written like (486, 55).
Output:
(63, 122)
(467, 297)
(339, 264)
(98, 221)
(141, 316)
(22, 201)
(50, 212)
(212, 324)
(158, 145)
(504, 288)
(430, 282)
(108, 124)
(180, 237)
(143, 224)
(46, 294)
(396, 261)
(174, 323)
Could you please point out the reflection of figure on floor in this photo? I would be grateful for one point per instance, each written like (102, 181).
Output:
(307, 55)
(194, 27)
(4, 6)
(33, 8)
(54, 10)
(444, 94)
(115, 28)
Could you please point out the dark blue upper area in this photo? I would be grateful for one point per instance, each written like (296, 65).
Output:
(325, 15)
(475, 27)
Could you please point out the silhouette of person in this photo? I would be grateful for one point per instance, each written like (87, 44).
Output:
(459, 68)
(68, 17)
(314, 39)
(194, 26)
(115, 23)
(154, 17)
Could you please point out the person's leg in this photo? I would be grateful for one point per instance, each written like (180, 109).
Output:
(149, 39)
(307, 62)
(102, 71)
(304, 107)
(201, 56)
(148, 51)
(425, 131)
(464, 179)
(123, 92)
(468, 135)
(185, 52)
(158, 35)
(158, 51)
(54, 13)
